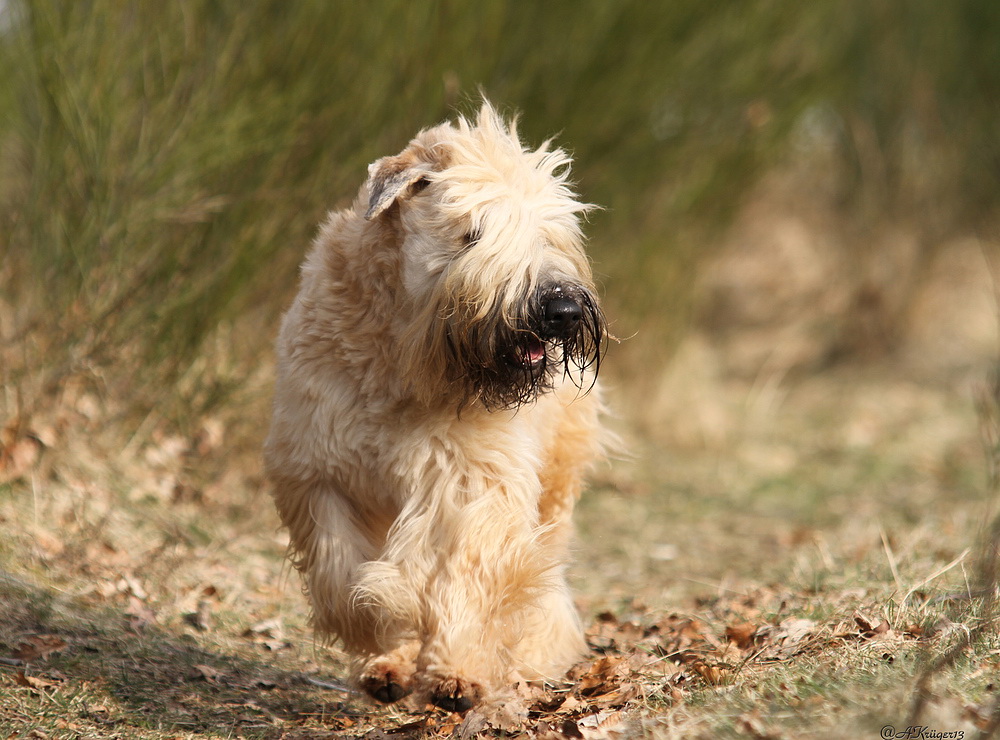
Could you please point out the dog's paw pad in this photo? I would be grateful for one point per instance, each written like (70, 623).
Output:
(453, 703)
(385, 685)
(455, 695)
(389, 693)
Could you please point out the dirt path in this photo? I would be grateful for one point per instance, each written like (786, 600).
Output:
(790, 576)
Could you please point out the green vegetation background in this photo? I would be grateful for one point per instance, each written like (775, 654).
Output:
(164, 165)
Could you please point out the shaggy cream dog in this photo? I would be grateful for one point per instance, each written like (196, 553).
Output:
(435, 411)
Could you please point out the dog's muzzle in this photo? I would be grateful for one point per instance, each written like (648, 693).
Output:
(564, 331)
(560, 320)
(507, 364)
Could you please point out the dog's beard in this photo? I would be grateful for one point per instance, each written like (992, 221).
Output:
(506, 364)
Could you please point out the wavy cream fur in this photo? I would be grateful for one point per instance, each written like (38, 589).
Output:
(431, 531)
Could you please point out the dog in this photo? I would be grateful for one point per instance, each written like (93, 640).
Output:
(435, 412)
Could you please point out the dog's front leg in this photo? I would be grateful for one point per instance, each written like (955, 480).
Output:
(332, 537)
(465, 563)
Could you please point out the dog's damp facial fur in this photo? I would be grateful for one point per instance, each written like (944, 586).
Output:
(504, 365)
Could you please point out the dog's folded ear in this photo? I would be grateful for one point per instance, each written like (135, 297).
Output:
(389, 178)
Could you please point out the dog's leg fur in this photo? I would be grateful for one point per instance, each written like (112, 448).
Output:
(328, 555)
(467, 560)
(553, 638)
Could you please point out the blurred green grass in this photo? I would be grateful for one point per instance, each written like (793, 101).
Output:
(163, 166)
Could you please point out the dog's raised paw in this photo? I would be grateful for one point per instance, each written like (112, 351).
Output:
(455, 695)
(385, 685)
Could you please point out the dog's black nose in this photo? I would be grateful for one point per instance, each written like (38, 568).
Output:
(562, 315)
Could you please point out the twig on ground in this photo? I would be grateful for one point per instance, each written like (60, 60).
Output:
(329, 685)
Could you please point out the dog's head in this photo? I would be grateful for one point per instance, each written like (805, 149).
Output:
(497, 293)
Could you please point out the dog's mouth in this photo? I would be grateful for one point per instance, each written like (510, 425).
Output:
(531, 354)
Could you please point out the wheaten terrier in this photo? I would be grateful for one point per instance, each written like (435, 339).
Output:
(435, 411)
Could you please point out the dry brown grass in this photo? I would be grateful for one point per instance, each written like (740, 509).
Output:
(793, 578)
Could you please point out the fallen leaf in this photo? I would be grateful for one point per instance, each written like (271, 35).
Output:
(48, 543)
(32, 682)
(681, 634)
(201, 620)
(742, 634)
(275, 645)
(913, 630)
(713, 674)
(864, 622)
(139, 615)
(18, 457)
(269, 629)
(507, 714)
(789, 638)
(47, 434)
(473, 724)
(868, 626)
(750, 723)
(570, 704)
(208, 673)
(599, 675)
(36, 647)
(209, 437)
(602, 633)
(603, 725)
(128, 584)
(621, 696)
(184, 492)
